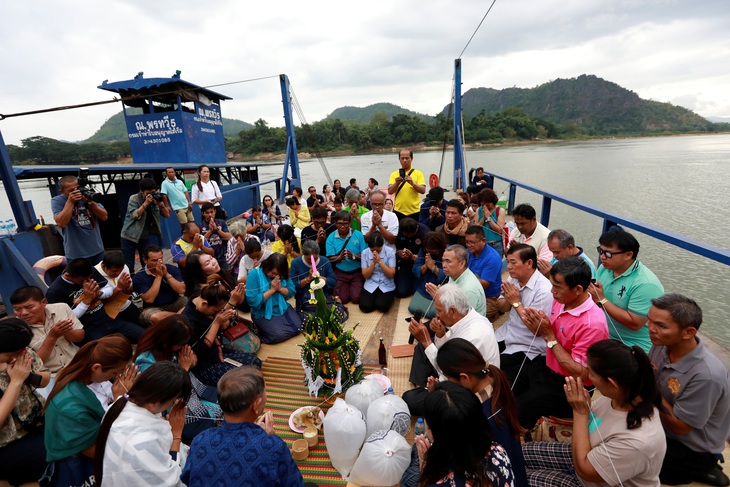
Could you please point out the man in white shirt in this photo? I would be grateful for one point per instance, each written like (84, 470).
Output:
(525, 288)
(453, 312)
(379, 220)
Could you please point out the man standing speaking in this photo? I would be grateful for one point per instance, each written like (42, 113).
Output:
(407, 185)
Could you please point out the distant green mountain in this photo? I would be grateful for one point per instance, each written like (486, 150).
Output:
(115, 129)
(588, 102)
(366, 114)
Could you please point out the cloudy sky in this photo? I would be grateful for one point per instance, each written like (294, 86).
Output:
(351, 53)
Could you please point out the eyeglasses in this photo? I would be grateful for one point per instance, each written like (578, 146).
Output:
(312, 190)
(609, 253)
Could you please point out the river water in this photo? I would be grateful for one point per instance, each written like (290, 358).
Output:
(676, 183)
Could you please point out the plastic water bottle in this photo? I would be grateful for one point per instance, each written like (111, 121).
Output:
(3, 227)
(12, 227)
(420, 428)
(390, 390)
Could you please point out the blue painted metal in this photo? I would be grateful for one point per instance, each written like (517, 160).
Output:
(23, 213)
(460, 175)
(609, 219)
(511, 200)
(545, 213)
(143, 86)
(14, 264)
(292, 157)
(169, 130)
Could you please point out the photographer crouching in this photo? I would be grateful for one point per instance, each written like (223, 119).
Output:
(142, 221)
(78, 215)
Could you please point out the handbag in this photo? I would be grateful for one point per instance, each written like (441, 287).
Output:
(237, 330)
(550, 428)
(35, 420)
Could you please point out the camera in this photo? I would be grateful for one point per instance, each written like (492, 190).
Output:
(85, 186)
(90, 194)
(157, 196)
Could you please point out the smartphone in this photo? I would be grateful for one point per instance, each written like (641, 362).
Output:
(402, 173)
(34, 379)
(593, 281)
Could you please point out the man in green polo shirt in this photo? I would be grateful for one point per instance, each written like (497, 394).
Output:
(624, 288)
(456, 266)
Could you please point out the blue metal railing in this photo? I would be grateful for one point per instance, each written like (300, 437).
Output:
(611, 219)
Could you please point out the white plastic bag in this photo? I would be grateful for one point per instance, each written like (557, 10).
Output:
(344, 434)
(389, 412)
(384, 458)
(363, 393)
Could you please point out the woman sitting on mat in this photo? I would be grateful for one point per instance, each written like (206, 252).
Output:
(168, 340)
(457, 449)
(211, 311)
(618, 439)
(267, 289)
(22, 451)
(462, 363)
(287, 244)
(378, 270)
(199, 267)
(301, 276)
(136, 445)
(74, 409)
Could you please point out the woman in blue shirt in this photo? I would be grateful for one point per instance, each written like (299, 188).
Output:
(378, 269)
(268, 288)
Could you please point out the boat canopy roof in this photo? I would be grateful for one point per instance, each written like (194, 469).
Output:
(43, 171)
(164, 90)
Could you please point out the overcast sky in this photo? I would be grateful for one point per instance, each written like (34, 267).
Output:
(351, 53)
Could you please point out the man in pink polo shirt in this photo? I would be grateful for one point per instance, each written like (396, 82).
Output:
(575, 323)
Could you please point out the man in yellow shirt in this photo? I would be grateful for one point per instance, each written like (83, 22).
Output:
(407, 185)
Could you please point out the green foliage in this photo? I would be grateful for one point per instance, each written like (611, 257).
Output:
(43, 150)
(586, 105)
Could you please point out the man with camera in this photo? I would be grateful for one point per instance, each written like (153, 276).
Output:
(79, 215)
(142, 222)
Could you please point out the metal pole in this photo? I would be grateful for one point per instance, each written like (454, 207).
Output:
(459, 166)
(23, 217)
(292, 158)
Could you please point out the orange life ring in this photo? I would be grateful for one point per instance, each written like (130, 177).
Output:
(433, 181)
(42, 266)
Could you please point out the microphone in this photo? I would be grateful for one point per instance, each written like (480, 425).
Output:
(417, 315)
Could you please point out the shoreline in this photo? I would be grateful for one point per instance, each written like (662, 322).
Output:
(421, 147)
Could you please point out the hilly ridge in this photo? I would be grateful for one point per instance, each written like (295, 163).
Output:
(366, 114)
(596, 105)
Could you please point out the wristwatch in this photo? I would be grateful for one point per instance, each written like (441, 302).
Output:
(602, 302)
(516, 305)
(551, 344)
